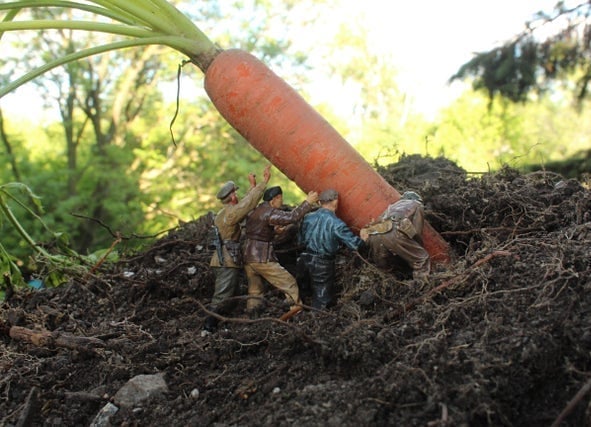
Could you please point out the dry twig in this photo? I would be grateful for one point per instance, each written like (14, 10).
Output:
(55, 339)
(572, 403)
(451, 281)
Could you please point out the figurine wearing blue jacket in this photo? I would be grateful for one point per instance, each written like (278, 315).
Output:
(323, 234)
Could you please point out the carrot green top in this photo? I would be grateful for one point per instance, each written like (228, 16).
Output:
(138, 22)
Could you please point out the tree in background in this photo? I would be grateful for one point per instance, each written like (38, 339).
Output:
(554, 49)
(111, 157)
(98, 99)
(11, 160)
(481, 136)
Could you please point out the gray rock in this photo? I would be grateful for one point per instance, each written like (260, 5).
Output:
(103, 418)
(140, 388)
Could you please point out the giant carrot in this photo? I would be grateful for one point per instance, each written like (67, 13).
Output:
(280, 124)
(270, 114)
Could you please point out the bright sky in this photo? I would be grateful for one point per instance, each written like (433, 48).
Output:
(431, 39)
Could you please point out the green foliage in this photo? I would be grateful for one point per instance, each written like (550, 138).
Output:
(481, 136)
(532, 63)
(509, 70)
(10, 273)
(55, 261)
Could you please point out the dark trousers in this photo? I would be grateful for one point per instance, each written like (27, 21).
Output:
(316, 275)
(226, 286)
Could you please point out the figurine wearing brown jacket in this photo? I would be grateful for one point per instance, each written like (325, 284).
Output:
(398, 231)
(260, 261)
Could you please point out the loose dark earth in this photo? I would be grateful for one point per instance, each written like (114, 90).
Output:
(499, 337)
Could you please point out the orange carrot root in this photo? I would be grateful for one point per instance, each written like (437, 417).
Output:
(281, 125)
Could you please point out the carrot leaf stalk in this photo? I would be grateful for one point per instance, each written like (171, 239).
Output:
(138, 22)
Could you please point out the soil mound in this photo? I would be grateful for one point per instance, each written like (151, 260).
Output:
(499, 337)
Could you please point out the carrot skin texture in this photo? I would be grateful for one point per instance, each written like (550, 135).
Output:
(296, 139)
